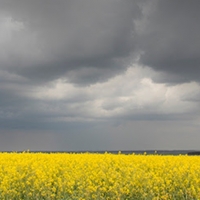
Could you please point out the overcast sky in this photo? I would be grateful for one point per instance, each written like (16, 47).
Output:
(99, 75)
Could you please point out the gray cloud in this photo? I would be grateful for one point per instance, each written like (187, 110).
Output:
(91, 41)
(55, 38)
(169, 36)
(93, 75)
(134, 135)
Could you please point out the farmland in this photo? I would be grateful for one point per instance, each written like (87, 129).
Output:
(57, 176)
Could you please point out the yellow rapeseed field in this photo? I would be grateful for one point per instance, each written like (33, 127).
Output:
(37, 176)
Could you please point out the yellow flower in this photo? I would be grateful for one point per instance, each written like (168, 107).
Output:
(98, 176)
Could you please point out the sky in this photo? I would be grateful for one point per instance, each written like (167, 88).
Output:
(90, 75)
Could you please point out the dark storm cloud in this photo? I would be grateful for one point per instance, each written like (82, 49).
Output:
(169, 37)
(70, 77)
(68, 36)
(89, 41)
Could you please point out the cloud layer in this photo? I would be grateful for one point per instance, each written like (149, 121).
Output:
(93, 69)
(169, 39)
(44, 41)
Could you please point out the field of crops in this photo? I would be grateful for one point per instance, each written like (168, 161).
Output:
(87, 176)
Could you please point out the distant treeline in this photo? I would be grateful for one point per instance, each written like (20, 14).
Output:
(147, 152)
(193, 153)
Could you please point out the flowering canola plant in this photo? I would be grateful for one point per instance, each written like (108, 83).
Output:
(59, 176)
